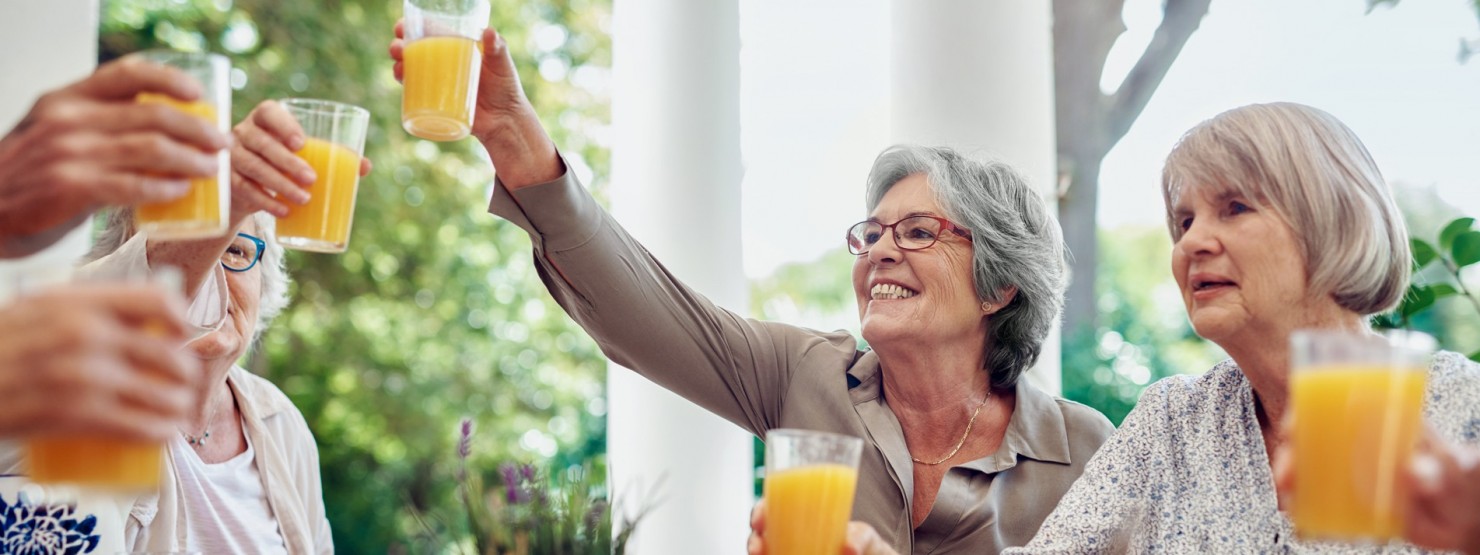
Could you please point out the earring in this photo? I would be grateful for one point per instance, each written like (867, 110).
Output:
(987, 307)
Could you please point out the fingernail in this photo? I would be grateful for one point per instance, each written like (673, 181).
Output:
(280, 211)
(308, 177)
(1426, 470)
(297, 142)
(174, 187)
(301, 197)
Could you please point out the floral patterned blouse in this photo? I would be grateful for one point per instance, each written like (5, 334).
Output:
(1187, 471)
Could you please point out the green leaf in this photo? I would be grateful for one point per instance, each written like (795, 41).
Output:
(1423, 253)
(1475, 356)
(1466, 248)
(1452, 230)
(1443, 290)
(1417, 299)
(1387, 321)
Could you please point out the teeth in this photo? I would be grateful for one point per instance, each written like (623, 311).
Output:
(889, 291)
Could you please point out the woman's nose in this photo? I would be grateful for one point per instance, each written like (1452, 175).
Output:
(885, 250)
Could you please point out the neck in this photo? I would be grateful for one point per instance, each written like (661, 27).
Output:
(935, 385)
(215, 399)
(1263, 355)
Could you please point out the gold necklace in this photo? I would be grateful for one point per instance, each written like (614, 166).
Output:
(957, 449)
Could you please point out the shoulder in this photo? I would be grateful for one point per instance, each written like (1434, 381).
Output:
(1223, 383)
(1453, 404)
(1082, 417)
(280, 416)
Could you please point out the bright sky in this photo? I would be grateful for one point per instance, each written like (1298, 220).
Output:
(815, 96)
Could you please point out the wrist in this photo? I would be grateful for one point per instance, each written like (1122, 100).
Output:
(522, 153)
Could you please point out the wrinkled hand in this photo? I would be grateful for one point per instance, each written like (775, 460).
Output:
(1443, 504)
(265, 172)
(96, 360)
(861, 538)
(91, 144)
(503, 119)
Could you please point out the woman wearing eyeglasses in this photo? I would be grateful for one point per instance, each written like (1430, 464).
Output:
(959, 277)
(242, 475)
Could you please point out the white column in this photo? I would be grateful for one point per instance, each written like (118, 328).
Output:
(676, 186)
(45, 45)
(977, 75)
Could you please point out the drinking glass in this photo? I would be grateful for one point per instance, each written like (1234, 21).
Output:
(100, 461)
(1357, 401)
(201, 212)
(810, 481)
(335, 141)
(442, 57)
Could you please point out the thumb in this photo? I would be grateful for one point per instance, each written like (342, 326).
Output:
(497, 62)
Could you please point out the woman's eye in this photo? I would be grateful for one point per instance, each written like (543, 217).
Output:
(1237, 207)
(1185, 224)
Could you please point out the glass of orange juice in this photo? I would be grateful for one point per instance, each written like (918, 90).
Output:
(101, 461)
(443, 53)
(202, 212)
(1357, 402)
(335, 140)
(810, 478)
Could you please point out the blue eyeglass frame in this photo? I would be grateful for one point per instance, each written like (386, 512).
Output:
(261, 247)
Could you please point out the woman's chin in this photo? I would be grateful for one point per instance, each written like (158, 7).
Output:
(214, 346)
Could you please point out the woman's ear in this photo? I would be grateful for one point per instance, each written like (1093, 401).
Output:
(1004, 298)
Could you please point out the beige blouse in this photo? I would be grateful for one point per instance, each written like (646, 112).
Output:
(764, 375)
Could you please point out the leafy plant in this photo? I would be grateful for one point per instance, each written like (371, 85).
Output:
(537, 512)
(1458, 247)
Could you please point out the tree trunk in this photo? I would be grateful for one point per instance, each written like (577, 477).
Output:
(1077, 216)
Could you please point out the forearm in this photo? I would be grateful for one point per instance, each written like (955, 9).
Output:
(196, 259)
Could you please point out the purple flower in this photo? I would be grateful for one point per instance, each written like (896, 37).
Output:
(510, 474)
(465, 439)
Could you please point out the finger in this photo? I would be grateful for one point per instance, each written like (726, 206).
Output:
(133, 188)
(157, 153)
(159, 313)
(275, 158)
(400, 71)
(758, 517)
(365, 167)
(253, 169)
(273, 118)
(154, 362)
(400, 28)
(120, 118)
(397, 50)
(755, 545)
(248, 197)
(124, 79)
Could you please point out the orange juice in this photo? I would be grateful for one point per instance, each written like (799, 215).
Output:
(1355, 428)
(202, 211)
(323, 224)
(441, 83)
(95, 461)
(807, 509)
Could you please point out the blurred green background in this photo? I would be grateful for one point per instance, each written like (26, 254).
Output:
(435, 312)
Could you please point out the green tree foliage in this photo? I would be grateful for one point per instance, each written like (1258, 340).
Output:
(435, 312)
(1144, 334)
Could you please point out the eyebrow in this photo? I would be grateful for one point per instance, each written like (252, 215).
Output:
(910, 214)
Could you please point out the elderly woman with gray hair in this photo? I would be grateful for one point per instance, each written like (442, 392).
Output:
(242, 475)
(1280, 221)
(959, 277)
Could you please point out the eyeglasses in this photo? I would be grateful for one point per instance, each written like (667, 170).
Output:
(243, 253)
(911, 234)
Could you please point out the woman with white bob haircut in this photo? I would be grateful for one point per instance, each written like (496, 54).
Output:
(1280, 220)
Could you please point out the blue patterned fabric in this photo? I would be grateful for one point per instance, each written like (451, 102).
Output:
(30, 529)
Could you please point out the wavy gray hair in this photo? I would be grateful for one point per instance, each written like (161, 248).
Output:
(118, 228)
(1316, 175)
(1015, 243)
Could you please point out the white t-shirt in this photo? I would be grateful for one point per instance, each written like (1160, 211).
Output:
(225, 506)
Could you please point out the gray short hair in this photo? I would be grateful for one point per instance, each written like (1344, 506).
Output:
(1315, 174)
(118, 228)
(1015, 243)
